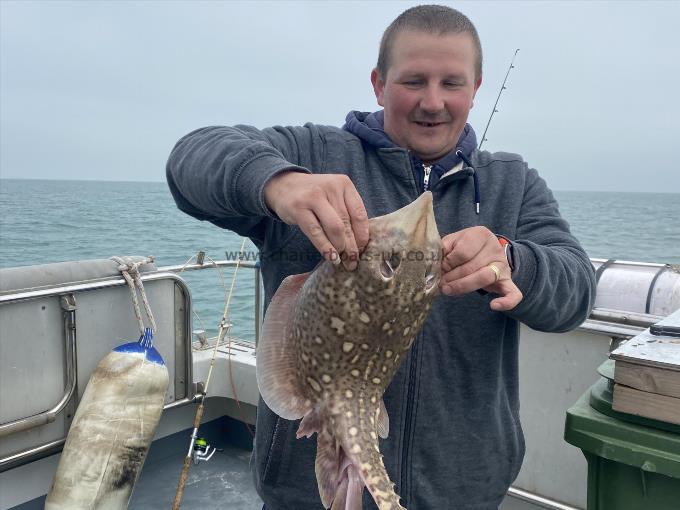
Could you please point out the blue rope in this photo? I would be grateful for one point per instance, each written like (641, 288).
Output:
(146, 340)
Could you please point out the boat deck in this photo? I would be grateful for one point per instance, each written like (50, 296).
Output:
(222, 482)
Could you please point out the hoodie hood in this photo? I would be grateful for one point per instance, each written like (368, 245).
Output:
(370, 127)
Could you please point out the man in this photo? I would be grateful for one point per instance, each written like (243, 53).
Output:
(455, 437)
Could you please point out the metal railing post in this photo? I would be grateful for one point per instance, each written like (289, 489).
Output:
(258, 301)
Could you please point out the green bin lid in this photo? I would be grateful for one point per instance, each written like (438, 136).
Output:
(614, 436)
(601, 398)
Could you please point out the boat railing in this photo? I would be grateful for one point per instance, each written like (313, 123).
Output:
(613, 322)
(620, 324)
(183, 390)
(216, 264)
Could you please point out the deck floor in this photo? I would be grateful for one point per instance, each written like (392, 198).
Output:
(222, 482)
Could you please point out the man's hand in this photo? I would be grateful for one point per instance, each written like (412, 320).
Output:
(466, 267)
(327, 208)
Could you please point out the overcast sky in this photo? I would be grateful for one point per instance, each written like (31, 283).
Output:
(102, 90)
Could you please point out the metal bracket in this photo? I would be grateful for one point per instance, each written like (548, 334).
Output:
(199, 391)
(68, 302)
(201, 336)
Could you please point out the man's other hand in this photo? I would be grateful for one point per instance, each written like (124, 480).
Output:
(469, 255)
(327, 208)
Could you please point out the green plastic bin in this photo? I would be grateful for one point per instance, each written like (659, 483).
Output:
(633, 463)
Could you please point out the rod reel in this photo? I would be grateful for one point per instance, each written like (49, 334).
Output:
(202, 451)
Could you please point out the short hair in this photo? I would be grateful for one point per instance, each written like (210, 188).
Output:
(433, 19)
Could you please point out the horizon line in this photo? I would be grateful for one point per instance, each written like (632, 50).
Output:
(164, 182)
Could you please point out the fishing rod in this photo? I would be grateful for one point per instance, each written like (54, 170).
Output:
(503, 87)
(199, 444)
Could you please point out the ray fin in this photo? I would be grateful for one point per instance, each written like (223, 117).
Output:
(383, 421)
(348, 495)
(327, 466)
(355, 489)
(276, 370)
(341, 494)
(311, 423)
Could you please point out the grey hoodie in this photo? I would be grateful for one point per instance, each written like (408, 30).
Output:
(455, 437)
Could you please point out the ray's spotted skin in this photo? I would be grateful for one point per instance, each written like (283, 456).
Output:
(332, 341)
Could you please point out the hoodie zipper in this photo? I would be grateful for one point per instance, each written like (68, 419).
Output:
(426, 177)
(411, 382)
(410, 395)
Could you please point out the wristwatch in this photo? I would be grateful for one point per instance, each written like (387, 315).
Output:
(509, 250)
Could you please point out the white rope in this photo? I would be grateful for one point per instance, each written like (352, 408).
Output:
(130, 271)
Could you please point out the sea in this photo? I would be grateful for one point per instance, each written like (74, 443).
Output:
(44, 221)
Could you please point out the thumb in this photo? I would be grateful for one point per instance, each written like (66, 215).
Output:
(510, 296)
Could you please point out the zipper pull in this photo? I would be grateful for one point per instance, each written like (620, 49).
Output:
(426, 179)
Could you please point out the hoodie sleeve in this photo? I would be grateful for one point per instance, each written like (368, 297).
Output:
(552, 270)
(218, 174)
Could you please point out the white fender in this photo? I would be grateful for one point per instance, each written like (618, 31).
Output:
(637, 286)
(111, 431)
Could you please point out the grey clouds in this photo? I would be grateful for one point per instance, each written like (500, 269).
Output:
(102, 90)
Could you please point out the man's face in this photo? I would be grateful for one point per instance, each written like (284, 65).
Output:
(428, 91)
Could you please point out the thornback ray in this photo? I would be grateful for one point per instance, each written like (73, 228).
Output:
(332, 341)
